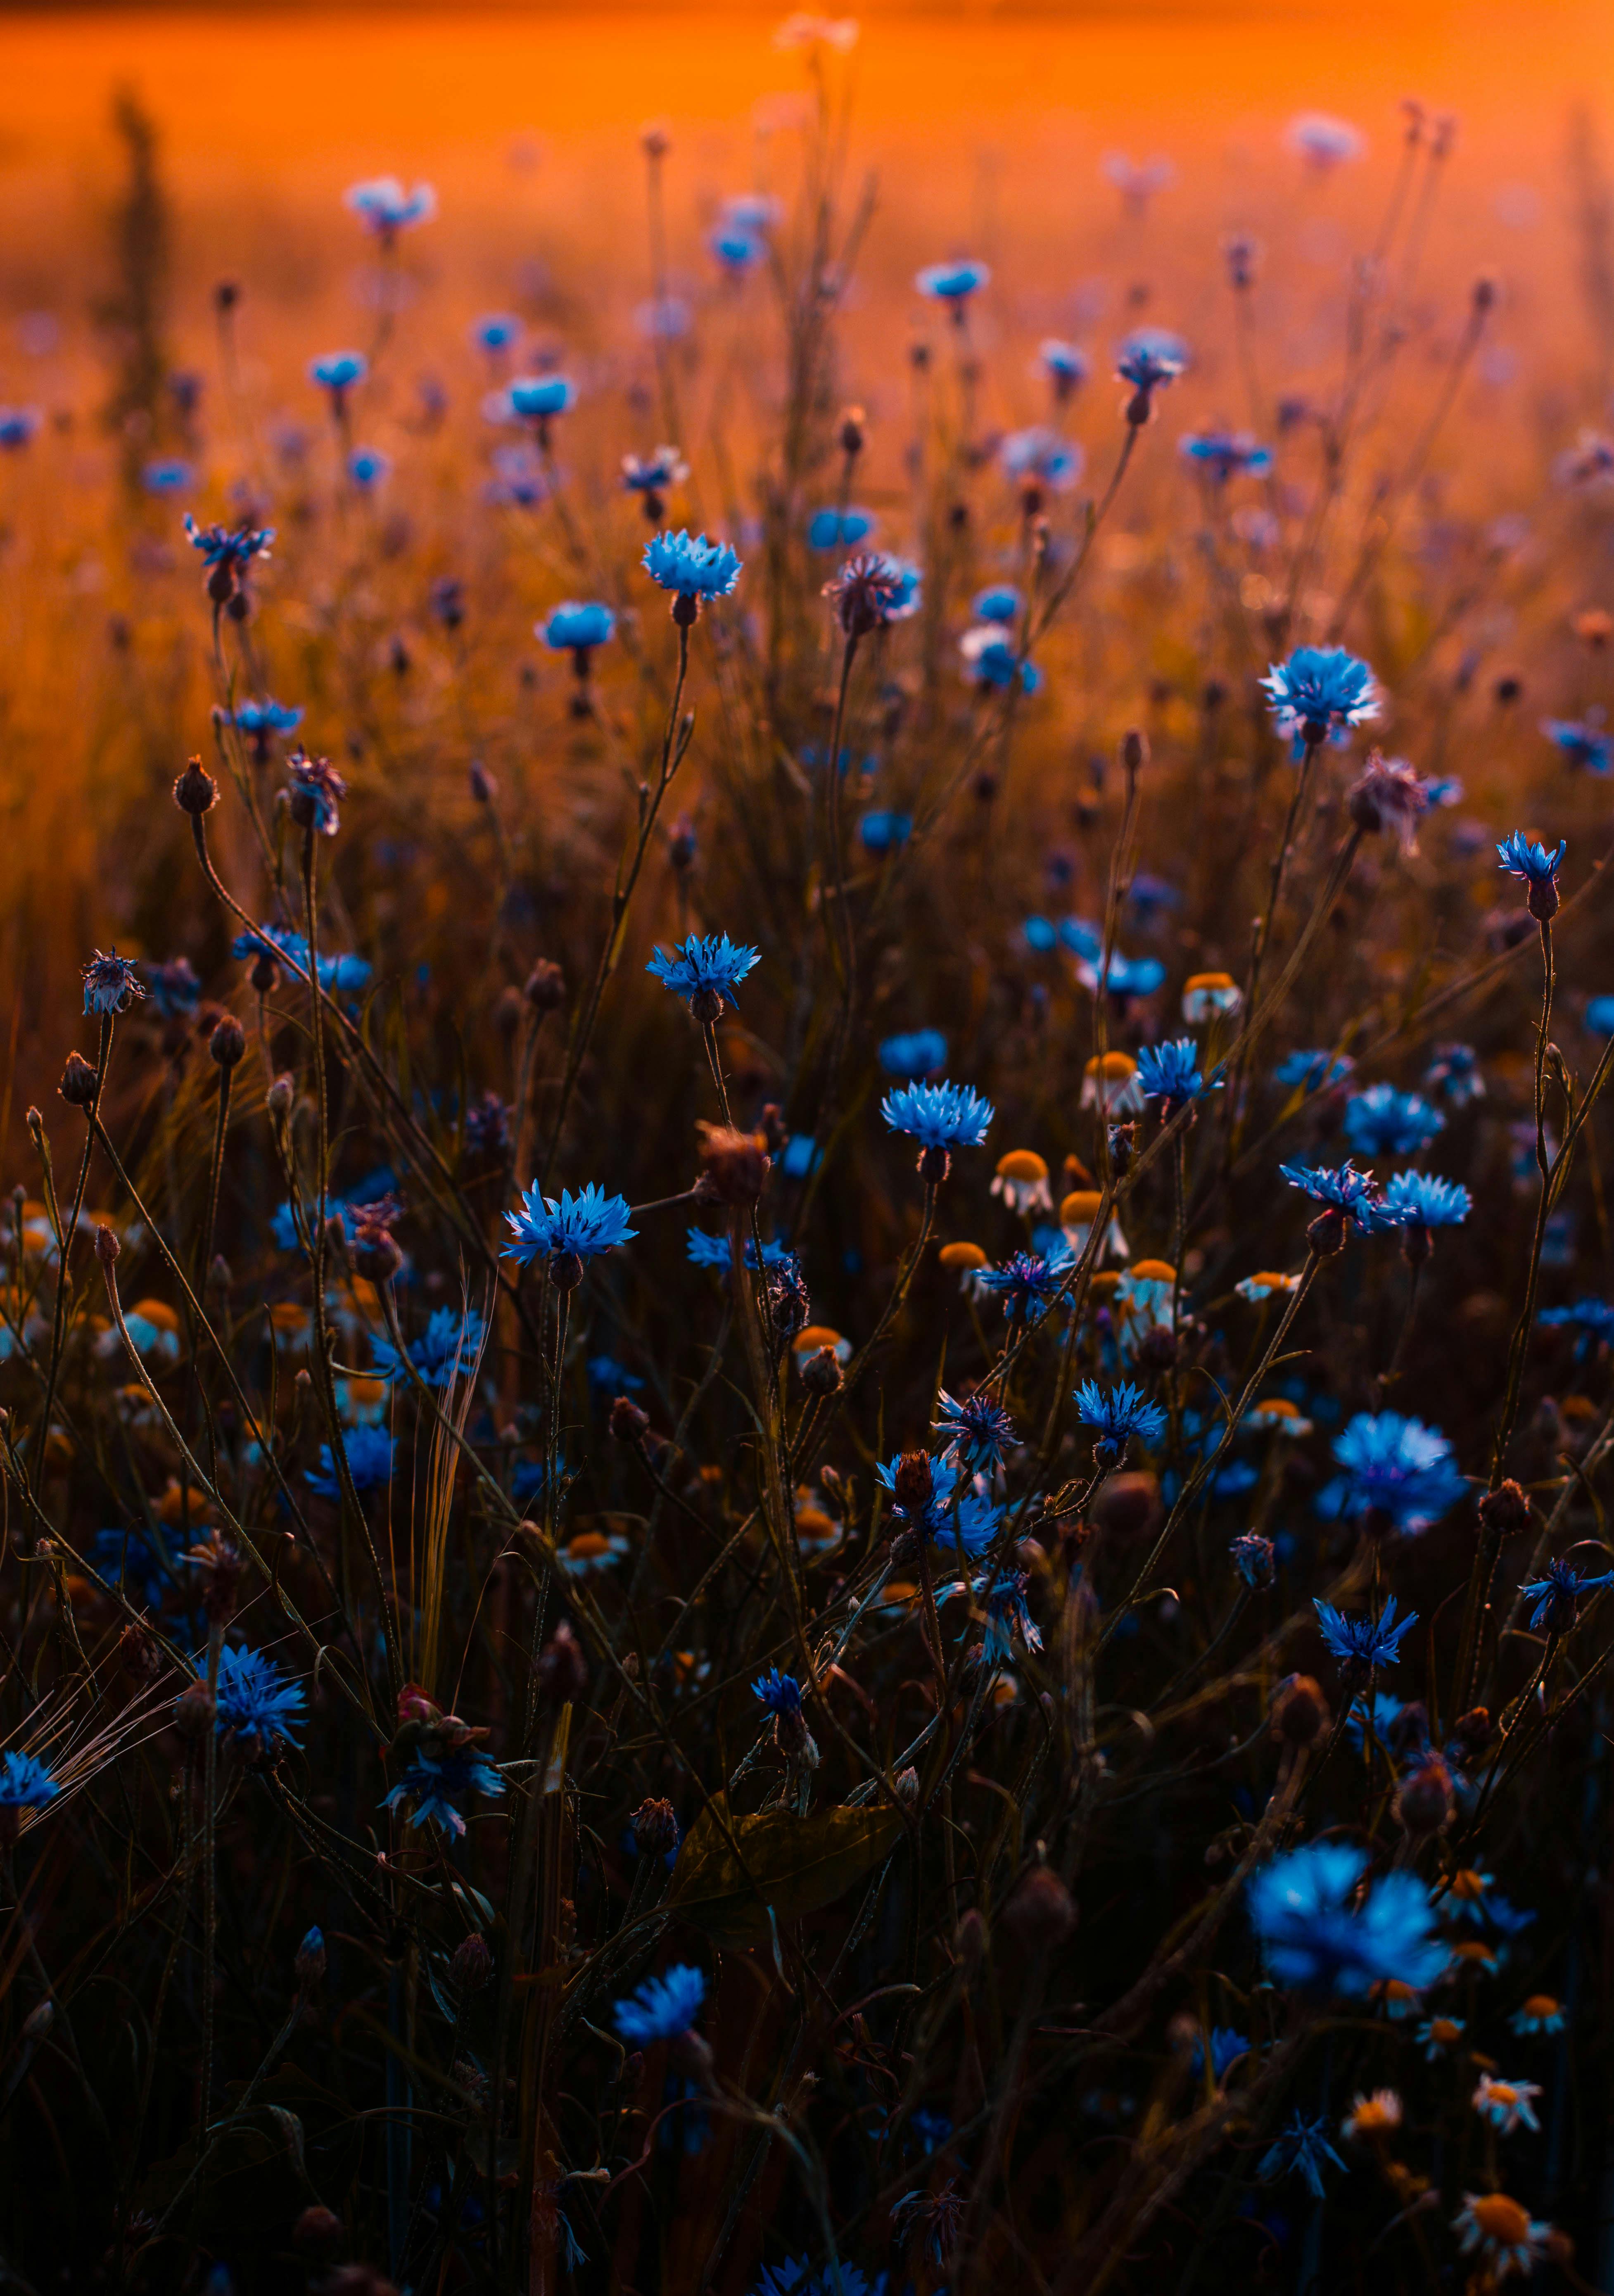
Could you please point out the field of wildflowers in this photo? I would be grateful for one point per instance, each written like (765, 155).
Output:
(806, 1302)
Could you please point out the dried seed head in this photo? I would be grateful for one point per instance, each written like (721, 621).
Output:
(914, 1485)
(1505, 1510)
(734, 1165)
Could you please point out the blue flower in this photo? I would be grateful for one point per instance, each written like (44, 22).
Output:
(263, 718)
(1454, 1075)
(1559, 1593)
(1119, 1413)
(1422, 1200)
(1593, 1319)
(367, 468)
(1301, 2148)
(370, 1462)
(662, 2008)
(25, 1784)
(839, 529)
(1226, 454)
(1586, 745)
(174, 987)
(495, 331)
(1600, 1016)
(1004, 1616)
(335, 972)
(577, 1227)
(994, 660)
(607, 1376)
(1384, 1122)
(1315, 1938)
(779, 1694)
(538, 397)
(938, 1115)
(692, 567)
(956, 1512)
(257, 1705)
(978, 1431)
(1313, 1072)
(1025, 1283)
(387, 208)
(165, 478)
(128, 1559)
(735, 249)
(1534, 865)
(882, 832)
(652, 475)
(316, 781)
(1000, 603)
(449, 1342)
(1320, 690)
(1361, 1644)
(572, 628)
(793, 2278)
(1149, 357)
(952, 282)
(901, 587)
(714, 1251)
(1125, 976)
(1253, 1558)
(1393, 1467)
(1226, 2047)
(337, 372)
(705, 969)
(231, 547)
(1171, 1072)
(1344, 1190)
(436, 1788)
(1041, 454)
(18, 425)
(918, 1053)
(1387, 1711)
(1064, 364)
(111, 984)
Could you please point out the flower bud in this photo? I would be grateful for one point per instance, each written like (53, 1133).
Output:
(194, 1710)
(1423, 1800)
(318, 2231)
(77, 1086)
(655, 1825)
(1473, 1729)
(562, 1668)
(907, 1784)
(280, 1096)
(228, 1042)
(1505, 1510)
(107, 1246)
(545, 988)
(264, 974)
(1040, 1913)
(309, 1966)
(821, 1373)
(1300, 1711)
(566, 1270)
(472, 1965)
(914, 1486)
(629, 1424)
(195, 791)
(1135, 749)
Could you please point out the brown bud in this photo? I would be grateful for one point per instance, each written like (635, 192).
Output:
(1472, 1730)
(484, 788)
(628, 1423)
(280, 1096)
(1126, 1504)
(107, 1246)
(228, 1042)
(907, 1782)
(473, 1964)
(821, 1373)
(914, 1488)
(1040, 1913)
(221, 1566)
(735, 1166)
(853, 425)
(562, 1668)
(1505, 1510)
(77, 1086)
(195, 791)
(1423, 1800)
(971, 1939)
(194, 1710)
(1134, 751)
(308, 1964)
(1300, 1711)
(265, 973)
(318, 2231)
(1326, 1233)
(655, 1825)
(140, 1652)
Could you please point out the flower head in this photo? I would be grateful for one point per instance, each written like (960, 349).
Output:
(1224, 455)
(1300, 2151)
(387, 208)
(706, 973)
(1119, 1413)
(1025, 1283)
(436, 1786)
(779, 1694)
(1349, 1194)
(1324, 141)
(1537, 868)
(1313, 1072)
(948, 1508)
(1388, 794)
(257, 1705)
(1320, 1935)
(1505, 2235)
(572, 628)
(538, 398)
(1539, 2012)
(1588, 746)
(1361, 1644)
(1396, 1468)
(25, 1784)
(952, 282)
(1424, 1199)
(111, 983)
(1384, 1122)
(1506, 2104)
(264, 719)
(917, 1053)
(691, 566)
(337, 372)
(1042, 455)
(1171, 1072)
(448, 1347)
(868, 591)
(1149, 358)
(574, 1227)
(316, 790)
(662, 2008)
(1559, 1592)
(231, 547)
(1253, 1558)
(839, 529)
(938, 1115)
(995, 661)
(978, 1431)
(371, 1454)
(1320, 690)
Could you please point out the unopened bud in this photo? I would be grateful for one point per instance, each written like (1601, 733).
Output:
(78, 1086)
(1300, 1711)
(280, 1096)
(1423, 1800)
(1135, 749)
(472, 1965)
(629, 1424)
(545, 989)
(318, 2231)
(107, 1246)
(228, 1042)
(1040, 1913)
(1505, 1510)
(194, 1710)
(195, 791)
(655, 1825)
(821, 1373)
(309, 1964)
(734, 1165)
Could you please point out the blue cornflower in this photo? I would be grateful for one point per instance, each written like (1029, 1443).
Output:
(1453, 1074)
(1124, 976)
(231, 546)
(316, 790)
(1043, 454)
(18, 425)
(994, 661)
(1361, 1644)
(111, 984)
(1065, 365)
(174, 987)
(662, 2008)
(1593, 1319)
(1224, 455)
(1301, 2148)
(449, 1341)
(1600, 1015)
(1119, 1413)
(1320, 690)
(652, 475)
(691, 566)
(1344, 1192)
(387, 208)
(1313, 1938)
(538, 398)
(736, 251)
(898, 588)
(715, 1252)
(495, 331)
(779, 1694)
(263, 719)
(1313, 1072)
(1587, 745)
(576, 1227)
(1226, 2047)
(572, 628)
(25, 1784)
(1384, 1122)
(1253, 1558)
(883, 832)
(839, 529)
(794, 2278)
(998, 603)
(1171, 1072)
(956, 1511)
(435, 1787)
(367, 467)
(337, 372)
(165, 478)
(1149, 358)
(978, 1431)
(943, 1115)
(370, 1461)
(1387, 1711)
(1424, 1199)
(1537, 867)
(1001, 1610)
(919, 1053)
(1394, 1468)
(607, 1376)
(335, 972)
(128, 1560)
(1559, 1593)
(1025, 1283)
(706, 973)
(952, 282)
(257, 1705)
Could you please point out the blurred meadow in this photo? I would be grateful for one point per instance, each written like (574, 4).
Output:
(826, 1711)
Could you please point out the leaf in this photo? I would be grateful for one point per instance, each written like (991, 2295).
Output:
(793, 1865)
